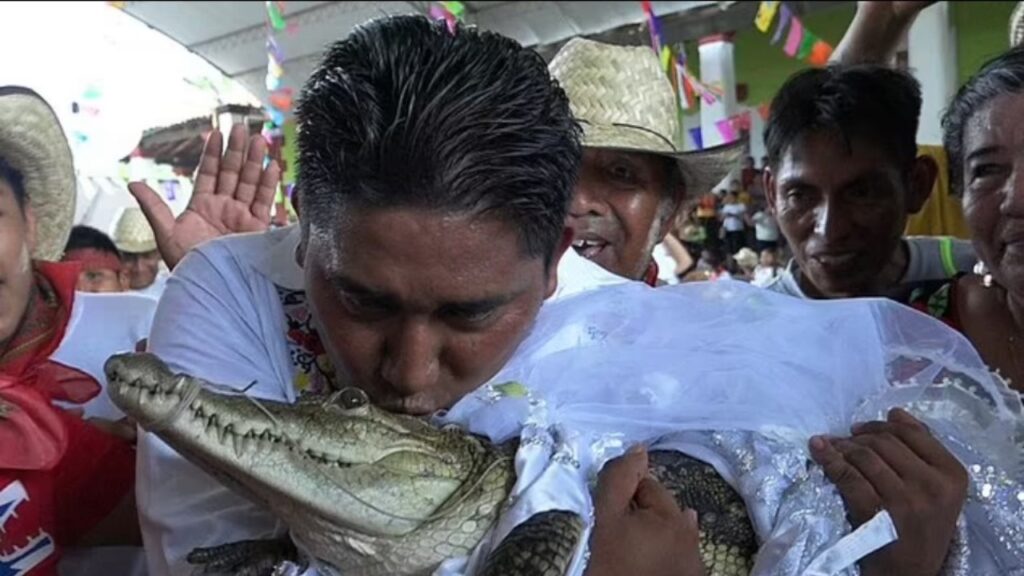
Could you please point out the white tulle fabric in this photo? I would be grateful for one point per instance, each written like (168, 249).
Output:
(742, 378)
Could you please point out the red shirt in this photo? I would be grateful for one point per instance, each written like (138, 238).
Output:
(59, 475)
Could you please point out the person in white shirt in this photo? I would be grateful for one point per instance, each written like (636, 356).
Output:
(734, 223)
(844, 177)
(766, 230)
(422, 257)
(768, 268)
(428, 242)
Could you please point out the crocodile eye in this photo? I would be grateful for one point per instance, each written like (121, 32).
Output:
(349, 398)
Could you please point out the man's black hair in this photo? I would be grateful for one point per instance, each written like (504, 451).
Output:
(14, 179)
(1001, 75)
(873, 104)
(85, 237)
(403, 113)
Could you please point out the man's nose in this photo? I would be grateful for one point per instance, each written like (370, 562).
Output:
(587, 200)
(831, 222)
(411, 362)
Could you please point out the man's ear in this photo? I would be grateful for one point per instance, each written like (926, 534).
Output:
(923, 174)
(552, 270)
(768, 183)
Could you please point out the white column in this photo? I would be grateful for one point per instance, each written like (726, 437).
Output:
(932, 59)
(717, 69)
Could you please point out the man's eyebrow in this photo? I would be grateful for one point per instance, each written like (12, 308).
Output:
(983, 151)
(478, 306)
(352, 288)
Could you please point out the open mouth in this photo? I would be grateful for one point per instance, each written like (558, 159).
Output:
(589, 248)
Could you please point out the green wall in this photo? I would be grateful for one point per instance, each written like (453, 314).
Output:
(982, 32)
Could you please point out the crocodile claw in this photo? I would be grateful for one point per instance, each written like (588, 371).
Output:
(246, 557)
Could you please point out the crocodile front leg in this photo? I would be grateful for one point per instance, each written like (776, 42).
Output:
(245, 558)
(543, 545)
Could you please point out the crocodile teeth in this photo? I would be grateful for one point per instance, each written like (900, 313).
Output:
(224, 433)
(211, 423)
(236, 442)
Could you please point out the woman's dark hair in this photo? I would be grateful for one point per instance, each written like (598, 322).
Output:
(403, 113)
(871, 103)
(13, 178)
(1003, 74)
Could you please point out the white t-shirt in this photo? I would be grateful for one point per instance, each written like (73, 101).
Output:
(100, 326)
(765, 274)
(765, 227)
(221, 319)
(732, 217)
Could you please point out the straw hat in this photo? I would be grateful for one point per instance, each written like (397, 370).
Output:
(133, 234)
(624, 101)
(1017, 25)
(746, 258)
(33, 143)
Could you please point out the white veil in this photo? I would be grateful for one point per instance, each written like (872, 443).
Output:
(742, 378)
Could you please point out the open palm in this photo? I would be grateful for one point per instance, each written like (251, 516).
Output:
(231, 194)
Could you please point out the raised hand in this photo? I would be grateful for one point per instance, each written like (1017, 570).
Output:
(899, 466)
(231, 194)
(638, 526)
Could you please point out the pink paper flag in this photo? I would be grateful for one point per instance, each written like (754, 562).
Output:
(726, 130)
(796, 36)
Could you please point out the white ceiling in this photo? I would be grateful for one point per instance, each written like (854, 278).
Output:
(232, 35)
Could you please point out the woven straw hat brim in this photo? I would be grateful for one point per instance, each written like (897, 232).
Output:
(33, 143)
(136, 247)
(702, 170)
(1017, 25)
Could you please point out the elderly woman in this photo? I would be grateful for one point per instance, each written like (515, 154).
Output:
(983, 135)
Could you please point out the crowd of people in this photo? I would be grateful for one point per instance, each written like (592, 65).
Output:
(450, 186)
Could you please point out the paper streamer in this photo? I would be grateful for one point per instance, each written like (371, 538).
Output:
(820, 53)
(806, 45)
(666, 59)
(282, 99)
(765, 13)
(652, 25)
(698, 140)
(726, 130)
(274, 16)
(784, 16)
(456, 8)
(796, 36)
(441, 12)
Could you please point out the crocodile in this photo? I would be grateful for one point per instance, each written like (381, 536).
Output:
(369, 492)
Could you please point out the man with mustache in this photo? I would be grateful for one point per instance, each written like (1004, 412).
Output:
(634, 177)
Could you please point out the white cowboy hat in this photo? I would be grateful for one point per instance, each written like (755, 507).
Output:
(33, 143)
(624, 101)
(133, 235)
